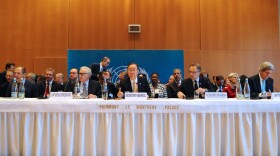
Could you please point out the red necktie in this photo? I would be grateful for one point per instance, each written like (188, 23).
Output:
(47, 90)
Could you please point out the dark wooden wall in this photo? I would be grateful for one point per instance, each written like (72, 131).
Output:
(222, 35)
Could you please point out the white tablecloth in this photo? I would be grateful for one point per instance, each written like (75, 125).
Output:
(152, 127)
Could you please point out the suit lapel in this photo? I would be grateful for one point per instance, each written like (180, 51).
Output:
(129, 87)
(258, 84)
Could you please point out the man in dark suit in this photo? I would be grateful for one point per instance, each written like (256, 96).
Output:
(261, 83)
(133, 83)
(9, 66)
(69, 85)
(31, 90)
(173, 88)
(49, 85)
(194, 83)
(4, 86)
(98, 67)
(112, 91)
(88, 88)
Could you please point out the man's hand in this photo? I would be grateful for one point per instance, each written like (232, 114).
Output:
(181, 95)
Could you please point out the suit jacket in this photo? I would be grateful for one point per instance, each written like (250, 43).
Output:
(3, 89)
(54, 88)
(94, 88)
(172, 90)
(255, 85)
(112, 91)
(143, 85)
(95, 69)
(31, 90)
(188, 89)
(69, 86)
(3, 77)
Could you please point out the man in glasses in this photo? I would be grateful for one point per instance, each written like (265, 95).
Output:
(88, 88)
(261, 84)
(99, 67)
(194, 83)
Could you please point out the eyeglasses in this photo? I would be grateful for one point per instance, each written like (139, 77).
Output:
(83, 73)
(193, 72)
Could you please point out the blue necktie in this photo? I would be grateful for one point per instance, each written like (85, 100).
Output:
(263, 86)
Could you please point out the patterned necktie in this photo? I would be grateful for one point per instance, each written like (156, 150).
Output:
(195, 85)
(134, 87)
(84, 94)
(47, 90)
(178, 84)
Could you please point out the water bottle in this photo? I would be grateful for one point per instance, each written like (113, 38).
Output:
(105, 90)
(77, 88)
(246, 89)
(239, 93)
(14, 91)
(21, 92)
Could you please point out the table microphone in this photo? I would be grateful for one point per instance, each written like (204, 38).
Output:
(272, 85)
(67, 84)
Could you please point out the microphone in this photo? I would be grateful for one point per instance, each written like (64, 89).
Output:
(272, 85)
(67, 84)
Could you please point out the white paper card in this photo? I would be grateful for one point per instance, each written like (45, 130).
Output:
(61, 95)
(275, 96)
(136, 96)
(215, 95)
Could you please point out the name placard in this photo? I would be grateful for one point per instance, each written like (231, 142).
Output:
(61, 95)
(275, 96)
(215, 95)
(136, 96)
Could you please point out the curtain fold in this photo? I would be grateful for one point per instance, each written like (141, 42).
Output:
(76, 133)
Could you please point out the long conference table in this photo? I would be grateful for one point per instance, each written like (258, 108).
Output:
(148, 127)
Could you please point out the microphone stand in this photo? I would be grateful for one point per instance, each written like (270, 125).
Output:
(66, 84)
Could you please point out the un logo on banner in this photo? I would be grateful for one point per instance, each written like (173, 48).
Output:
(115, 72)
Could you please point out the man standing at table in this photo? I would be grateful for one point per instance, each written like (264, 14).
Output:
(194, 83)
(99, 67)
(261, 83)
(133, 83)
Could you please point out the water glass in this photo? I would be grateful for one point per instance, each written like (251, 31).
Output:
(196, 94)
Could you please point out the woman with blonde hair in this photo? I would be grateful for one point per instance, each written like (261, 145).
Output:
(231, 87)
